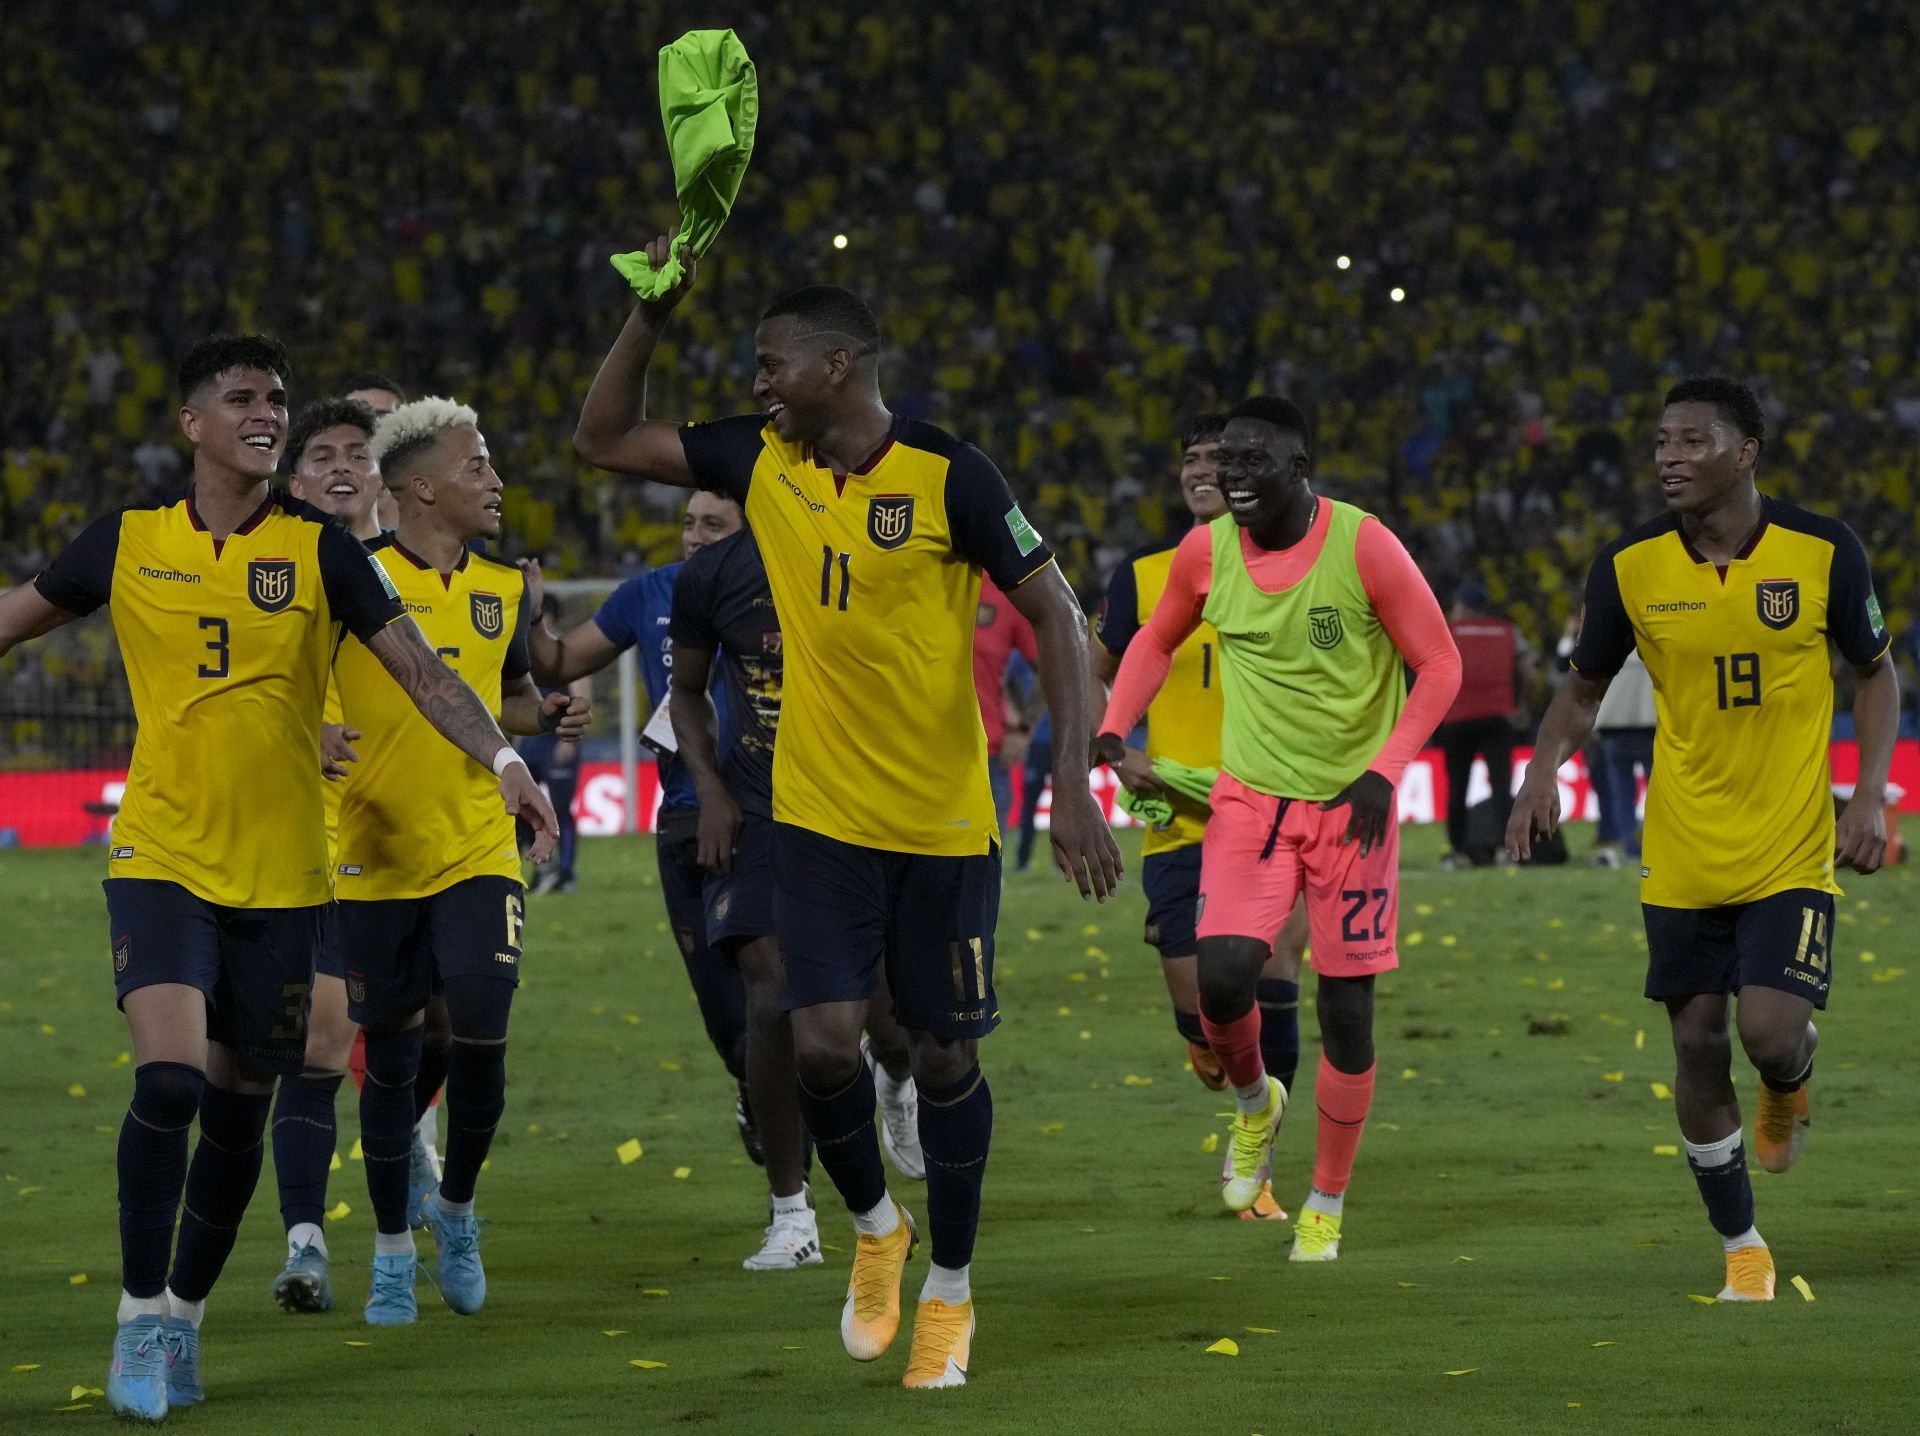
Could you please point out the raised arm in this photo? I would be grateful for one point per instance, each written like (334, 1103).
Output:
(614, 431)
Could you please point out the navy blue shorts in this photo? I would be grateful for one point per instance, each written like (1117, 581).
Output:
(1172, 883)
(398, 952)
(254, 965)
(841, 911)
(740, 905)
(1779, 941)
(327, 962)
(682, 881)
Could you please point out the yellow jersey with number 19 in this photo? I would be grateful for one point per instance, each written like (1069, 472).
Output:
(876, 578)
(419, 815)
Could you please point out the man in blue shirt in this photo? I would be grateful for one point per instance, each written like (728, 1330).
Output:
(636, 615)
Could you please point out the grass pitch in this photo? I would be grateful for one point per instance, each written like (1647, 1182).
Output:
(1521, 1239)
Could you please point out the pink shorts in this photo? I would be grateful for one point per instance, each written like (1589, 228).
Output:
(1260, 852)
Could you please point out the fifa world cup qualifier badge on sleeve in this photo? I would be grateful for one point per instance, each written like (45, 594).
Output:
(1025, 537)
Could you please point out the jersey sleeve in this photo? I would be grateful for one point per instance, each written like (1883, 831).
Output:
(618, 614)
(1853, 612)
(518, 662)
(80, 578)
(691, 624)
(1606, 637)
(988, 530)
(358, 590)
(1119, 610)
(1412, 618)
(722, 453)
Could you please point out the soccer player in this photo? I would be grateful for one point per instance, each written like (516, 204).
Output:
(637, 615)
(1732, 599)
(383, 396)
(226, 604)
(1318, 610)
(1183, 724)
(875, 530)
(428, 895)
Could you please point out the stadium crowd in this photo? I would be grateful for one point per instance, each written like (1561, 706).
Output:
(1475, 248)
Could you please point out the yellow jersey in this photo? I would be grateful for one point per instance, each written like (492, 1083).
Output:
(226, 643)
(330, 790)
(1183, 722)
(1739, 805)
(419, 815)
(876, 579)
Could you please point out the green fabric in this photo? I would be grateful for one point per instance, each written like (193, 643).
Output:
(1155, 812)
(1194, 783)
(710, 100)
(1311, 683)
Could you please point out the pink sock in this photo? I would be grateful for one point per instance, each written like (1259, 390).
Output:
(1344, 1099)
(1237, 1045)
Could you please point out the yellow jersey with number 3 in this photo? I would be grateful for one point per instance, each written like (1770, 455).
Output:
(226, 643)
(1183, 722)
(1739, 804)
(418, 815)
(876, 578)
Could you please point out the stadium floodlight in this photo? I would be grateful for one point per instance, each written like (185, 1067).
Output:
(839, 241)
(1396, 294)
(1343, 263)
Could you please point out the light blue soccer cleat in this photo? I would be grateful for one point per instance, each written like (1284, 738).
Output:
(422, 1182)
(461, 1278)
(391, 1302)
(137, 1380)
(302, 1284)
(182, 1342)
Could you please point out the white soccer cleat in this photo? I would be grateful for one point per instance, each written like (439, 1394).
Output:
(899, 1119)
(792, 1240)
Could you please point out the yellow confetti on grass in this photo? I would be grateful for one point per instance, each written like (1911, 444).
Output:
(1666, 1149)
(1639, 1039)
(76, 1090)
(1034, 934)
(81, 1393)
(1606, 1343)
(1210, 1142)
(1662, 1091)
(351, 1342)
(1085, 1036)
(1076, 977)
(1464, 1371)
(1263, 1331)
(1063, 1012)
(648, 1365)
(1463, 1258)
(334, 1163)
(121, 1059)
(1132, 1080)
(79, 1278)
(1408, 1073)
(47, 1029)
(617, 1331)
(662, 1291)
(1703, 1300)
(354, 1153)
(1225, 1346)
(341, 1211)
(1613, 1076)
(632, 1019)
(629, 1151)
(680, 1174)
(1091, 929)
(1050, 1128)
(1414, 939)
(1799, 1284)
(669, 1066)
(25, 1367)
(1406, 1285)
(75, 1406)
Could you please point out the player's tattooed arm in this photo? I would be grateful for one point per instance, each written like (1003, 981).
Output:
(614, 431)
(1563, 732)
(25, 614)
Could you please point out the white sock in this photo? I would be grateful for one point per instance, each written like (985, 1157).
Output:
(882, 1221)
(306, 1234)
(1331, 1203)
(456, 1209)
(1749, 1238)
(948, 1284)
(393, 1244)
(790, 1206)
(1714, 1154)
(194, 1311)
(132, 1306)
(1252, 1099)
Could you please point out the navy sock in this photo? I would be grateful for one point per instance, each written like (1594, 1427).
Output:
(1728, 1192)
(476, 1096)
(220, 1183)
(956, 1126)
(1279, 1028)
(153, 1169)
(1189, 1025)
(304, 1132)
(434, 1057)
(841, 1125)
(386, 1123)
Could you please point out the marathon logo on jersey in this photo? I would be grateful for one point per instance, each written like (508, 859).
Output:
(890, 520)
(1778, 600)
(1324, 627)
(489, 613)
(270, 583)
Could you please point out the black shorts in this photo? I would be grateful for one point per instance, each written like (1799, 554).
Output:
(681, 880)
(1779, 941)
(841, 911)
(327, 962)
(1172, 883)
(398, 952)
(740, 905)
(254, 965)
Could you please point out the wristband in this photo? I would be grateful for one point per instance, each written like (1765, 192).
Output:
(550, 718)
(505, 759)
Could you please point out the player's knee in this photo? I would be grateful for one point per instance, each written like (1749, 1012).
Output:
(438, 1024)
(393, 1056)
(477, 1083)
(941, 1063)
(1775, 1051)
(166, 1095)
(825, 1063)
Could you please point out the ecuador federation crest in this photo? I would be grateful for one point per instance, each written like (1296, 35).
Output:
(270, 583)
(890, 519)
(489, 613)
(1324, 627)
(1778, 600)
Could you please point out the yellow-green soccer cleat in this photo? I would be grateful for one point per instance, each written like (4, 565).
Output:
(1316, 1237)
(1250, 1140)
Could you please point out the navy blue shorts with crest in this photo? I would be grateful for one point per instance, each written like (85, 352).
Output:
(398, 952)
(842, 911)
(1172, 883)
(1780, 941)
(740, 904)
(254, 965)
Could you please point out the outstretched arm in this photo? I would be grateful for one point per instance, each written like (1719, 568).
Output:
(456, 712)
(1149, 656)
(25, 614)
(614, 431)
